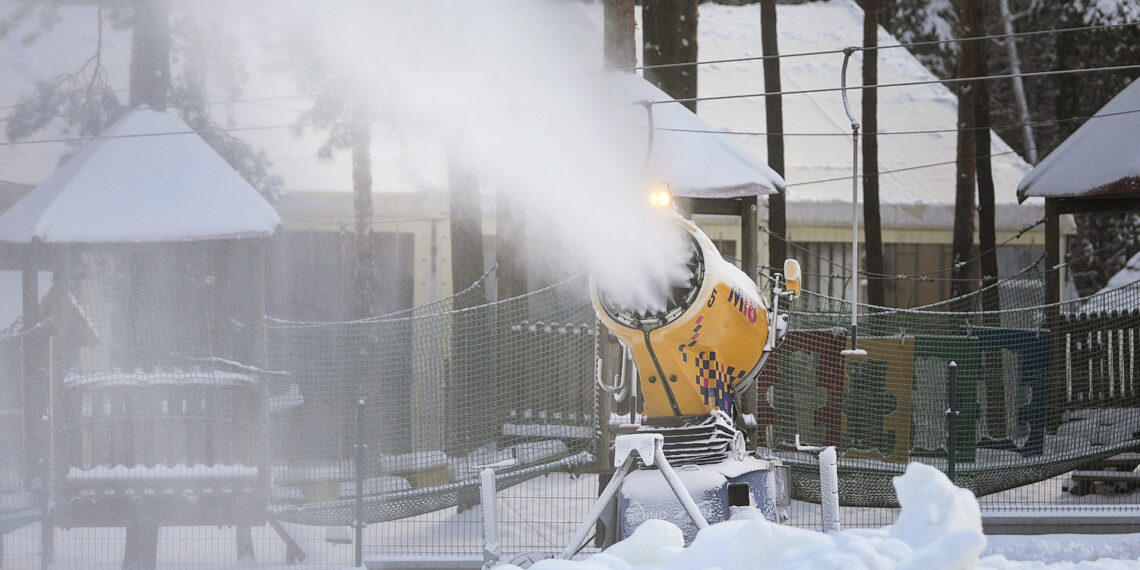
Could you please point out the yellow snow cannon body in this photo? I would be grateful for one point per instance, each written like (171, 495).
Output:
(708, 343)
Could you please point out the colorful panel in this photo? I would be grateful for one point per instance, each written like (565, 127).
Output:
(1018, 391)
(878, 400)
(801, 390)
(932, 357)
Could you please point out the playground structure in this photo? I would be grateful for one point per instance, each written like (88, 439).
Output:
(1027, 412)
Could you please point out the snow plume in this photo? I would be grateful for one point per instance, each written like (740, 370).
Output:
(513, 88)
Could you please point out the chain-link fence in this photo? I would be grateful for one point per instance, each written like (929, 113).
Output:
(166, 418)
(446, 390)
(1027, 406)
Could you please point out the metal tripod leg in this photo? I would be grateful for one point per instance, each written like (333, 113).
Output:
(599, 506)
(627, 448)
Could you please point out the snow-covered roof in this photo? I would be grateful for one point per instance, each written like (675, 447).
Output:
(710, 166)
(1120, 293)
(916, 169)
(1098, 160)
(146, 178)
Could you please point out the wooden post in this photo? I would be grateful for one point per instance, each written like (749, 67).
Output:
(32, 380)
(620, 54)
(1056, 378)
(750, 259)
(610, 352)
(255, 315)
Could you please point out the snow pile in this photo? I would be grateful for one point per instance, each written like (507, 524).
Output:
(939, 527)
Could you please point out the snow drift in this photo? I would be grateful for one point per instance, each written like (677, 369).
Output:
(939, 526)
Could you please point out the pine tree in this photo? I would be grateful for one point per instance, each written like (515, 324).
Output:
(178, 48)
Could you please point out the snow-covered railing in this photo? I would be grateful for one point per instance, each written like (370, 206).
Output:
(1101, 363)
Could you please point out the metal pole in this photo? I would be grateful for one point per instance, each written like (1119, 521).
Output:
(359, 467)
(492, 546)
(854, 203)
(952, 422)
(828, 484)
(596, 511)
(829, 489)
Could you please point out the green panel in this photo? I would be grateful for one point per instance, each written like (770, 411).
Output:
(932, 357)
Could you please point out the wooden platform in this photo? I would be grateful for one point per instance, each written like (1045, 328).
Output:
(1114, 474)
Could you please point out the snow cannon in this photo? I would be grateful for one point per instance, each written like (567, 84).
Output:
(698, 348)
(707, 342)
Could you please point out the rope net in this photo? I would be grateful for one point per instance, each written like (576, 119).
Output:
(1036, 390)
(172, 370)
(447, 388)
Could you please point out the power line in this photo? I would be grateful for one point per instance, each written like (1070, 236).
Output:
(710, 98)
(847, 134)
(876, 48)
(895, 170)
(188, 132)
(175, 105)
(342, 123)
(900, 84)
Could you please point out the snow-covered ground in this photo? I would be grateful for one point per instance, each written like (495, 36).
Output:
(940, 518)
(939, 526)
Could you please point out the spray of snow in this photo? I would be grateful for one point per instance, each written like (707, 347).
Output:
(506, 86)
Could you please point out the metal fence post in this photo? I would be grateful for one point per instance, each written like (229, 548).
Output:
(952, 422)
(359, 468)
(488, 491)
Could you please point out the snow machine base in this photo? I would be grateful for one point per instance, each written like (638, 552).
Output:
(716, 488)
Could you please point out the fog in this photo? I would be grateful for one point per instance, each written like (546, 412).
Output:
(517, 87)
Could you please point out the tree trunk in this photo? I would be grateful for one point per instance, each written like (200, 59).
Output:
(670, 36)
(364, 298)
(774, 111)
(150, 54)
(961, 273)
(466, 221)
(987, 238)
(510, 250)
(620, 43)
(1018, 86)
(872, 222)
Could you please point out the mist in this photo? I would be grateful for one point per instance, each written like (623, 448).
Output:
(517, 87)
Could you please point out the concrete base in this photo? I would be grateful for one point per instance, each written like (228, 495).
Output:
(424, 563)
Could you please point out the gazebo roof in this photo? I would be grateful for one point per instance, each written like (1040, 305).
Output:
(1099, 160)
(709, 165)
(147, 178)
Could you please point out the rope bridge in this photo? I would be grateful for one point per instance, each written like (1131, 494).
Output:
(1038, 390)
